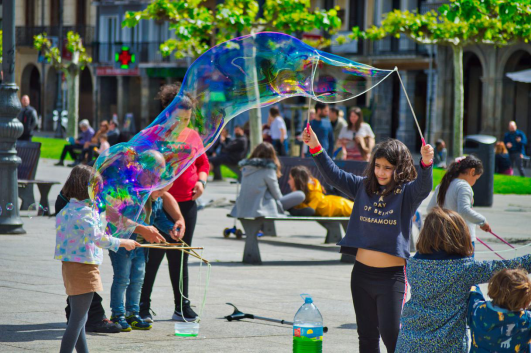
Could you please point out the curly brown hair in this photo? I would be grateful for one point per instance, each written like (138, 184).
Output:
(397, 154)
(168, 92)
(510, 289)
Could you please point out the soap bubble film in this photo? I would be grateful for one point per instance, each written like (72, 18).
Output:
(227, 80)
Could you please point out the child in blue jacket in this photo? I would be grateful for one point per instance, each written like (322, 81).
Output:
(503, 324)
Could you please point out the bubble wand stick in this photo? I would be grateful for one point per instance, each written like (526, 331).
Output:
(412, 109)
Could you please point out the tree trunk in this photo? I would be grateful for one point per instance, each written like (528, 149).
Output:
(255, 116)
(458, 120)
(73, 101)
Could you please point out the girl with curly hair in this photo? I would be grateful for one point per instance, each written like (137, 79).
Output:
(386, 198)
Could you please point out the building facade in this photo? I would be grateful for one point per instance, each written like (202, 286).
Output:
(39, 80)
(107, 88)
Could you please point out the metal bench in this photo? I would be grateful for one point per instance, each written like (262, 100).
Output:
(252, 226)
(30, 152)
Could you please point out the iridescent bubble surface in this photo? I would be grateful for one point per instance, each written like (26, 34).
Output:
(228, 79)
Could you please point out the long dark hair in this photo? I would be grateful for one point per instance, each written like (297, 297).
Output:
(267, 151)
(454, 170)
(302, 177)
(396, 153)
(360, 120)
(77, 184)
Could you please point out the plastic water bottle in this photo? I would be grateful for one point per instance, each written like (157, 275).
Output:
(308, 328)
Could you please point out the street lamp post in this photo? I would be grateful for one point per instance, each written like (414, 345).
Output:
(10, 128)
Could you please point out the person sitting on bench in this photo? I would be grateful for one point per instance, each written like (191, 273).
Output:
(231, 152)
(260, 194)
(86, 135)
(301, 179)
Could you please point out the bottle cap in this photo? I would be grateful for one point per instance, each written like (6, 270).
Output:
(307, 297)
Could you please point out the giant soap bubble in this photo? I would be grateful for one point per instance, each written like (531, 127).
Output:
(230, 78)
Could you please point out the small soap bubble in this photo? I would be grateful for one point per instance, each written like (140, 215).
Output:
(35, 210)
(9, 206)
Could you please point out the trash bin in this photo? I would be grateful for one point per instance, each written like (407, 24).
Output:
(482, 146)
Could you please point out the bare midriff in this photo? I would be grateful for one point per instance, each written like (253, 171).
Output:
(378, 259)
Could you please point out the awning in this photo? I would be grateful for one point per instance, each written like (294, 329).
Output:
(520, 76)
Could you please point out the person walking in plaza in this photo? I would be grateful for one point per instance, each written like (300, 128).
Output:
(455, 193)
(186, 189)
(503, 164)
(80, 237)
(260, 194)
(516, 141)
(378, 234)
(28, 117)
(86, 135)
(441, 275)
(322, 127)
(278, 132)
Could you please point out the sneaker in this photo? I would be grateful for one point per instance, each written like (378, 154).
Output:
(186, 314)
(147, 315)
(137, 323)
(121, 320)
(73, 164)
(104, 326)
(60, 163)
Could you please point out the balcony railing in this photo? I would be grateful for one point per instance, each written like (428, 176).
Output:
(24, 35)
(391, 46)
(145, 52)
(427, 6)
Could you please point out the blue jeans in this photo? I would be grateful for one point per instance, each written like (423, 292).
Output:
(129, 268)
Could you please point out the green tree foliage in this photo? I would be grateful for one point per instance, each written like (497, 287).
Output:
(198, 28)
(71, 69)
(458, 24)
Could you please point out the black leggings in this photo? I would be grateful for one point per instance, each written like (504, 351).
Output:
(378, 298)
(155, 257)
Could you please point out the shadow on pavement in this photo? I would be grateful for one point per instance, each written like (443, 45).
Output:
(280, 263)
(31, 332)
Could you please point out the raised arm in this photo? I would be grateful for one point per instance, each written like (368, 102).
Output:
(420, 189)
(346, 182)
(481, 272)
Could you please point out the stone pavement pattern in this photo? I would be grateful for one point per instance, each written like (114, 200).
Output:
(296, 262)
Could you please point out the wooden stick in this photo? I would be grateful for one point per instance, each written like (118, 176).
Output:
(168, 247)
